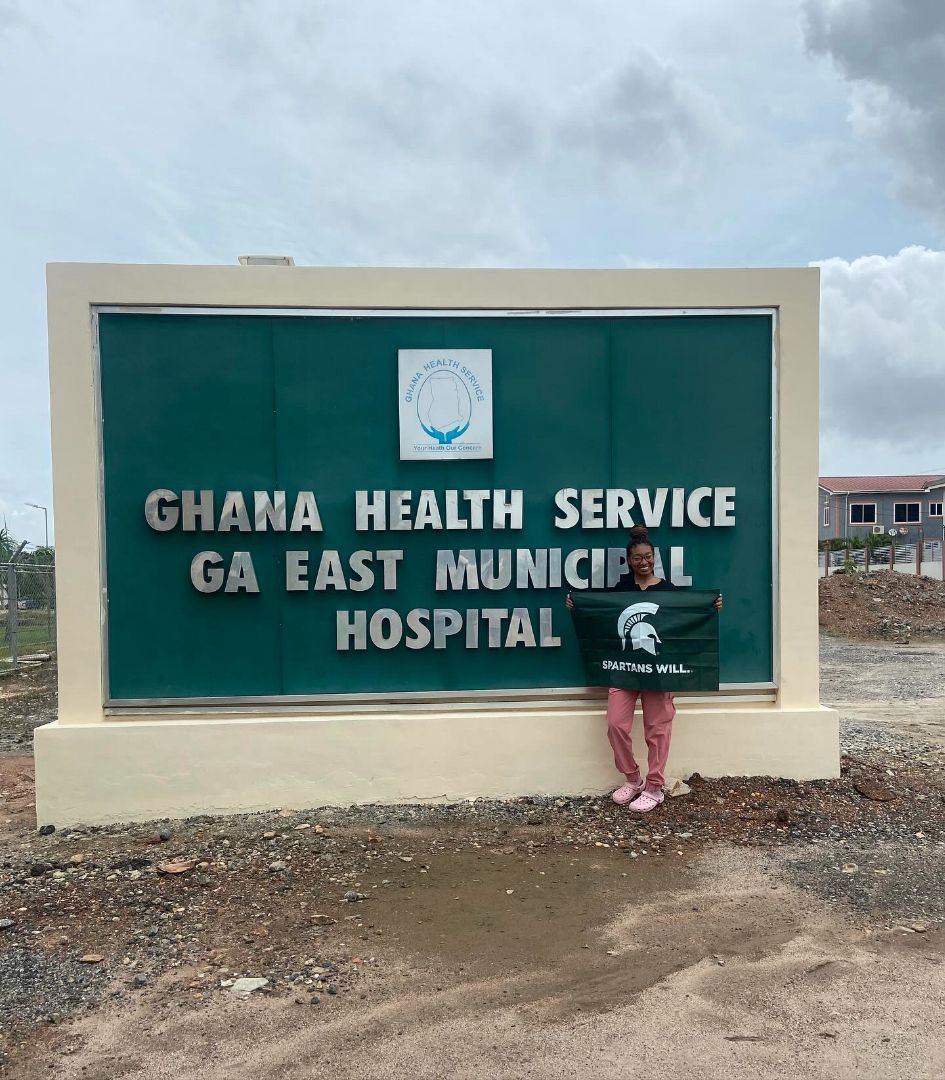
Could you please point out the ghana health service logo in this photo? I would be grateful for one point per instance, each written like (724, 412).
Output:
(444, 403)
(632, 626)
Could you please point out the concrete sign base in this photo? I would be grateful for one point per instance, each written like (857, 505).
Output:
(143, 769)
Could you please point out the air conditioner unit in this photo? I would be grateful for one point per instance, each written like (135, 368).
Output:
(877, 529)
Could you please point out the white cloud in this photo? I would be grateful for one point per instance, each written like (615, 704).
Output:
(892, 52)
(646, 117)
(883, 363)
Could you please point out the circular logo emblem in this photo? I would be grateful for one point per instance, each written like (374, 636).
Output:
(444, 406)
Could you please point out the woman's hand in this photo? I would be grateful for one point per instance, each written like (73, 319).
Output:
(569, 602)
(718, 602)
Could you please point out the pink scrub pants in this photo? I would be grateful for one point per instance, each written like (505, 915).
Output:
(658, 713)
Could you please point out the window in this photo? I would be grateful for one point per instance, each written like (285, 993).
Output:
(935, 509)
(906, 513)
(862, 513)
(827, 514)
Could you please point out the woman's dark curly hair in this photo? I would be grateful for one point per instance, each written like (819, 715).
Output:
(639, 537)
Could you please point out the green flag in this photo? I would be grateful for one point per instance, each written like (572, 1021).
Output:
(649, 640)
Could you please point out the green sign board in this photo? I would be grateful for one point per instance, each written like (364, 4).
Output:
(341, 504)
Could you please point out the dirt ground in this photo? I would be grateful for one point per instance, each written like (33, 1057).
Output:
(27, 700)
(752, 928)
(883, 604)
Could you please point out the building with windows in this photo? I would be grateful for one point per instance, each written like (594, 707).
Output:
(861, 505)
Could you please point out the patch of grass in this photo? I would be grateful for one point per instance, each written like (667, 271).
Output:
(32, 636)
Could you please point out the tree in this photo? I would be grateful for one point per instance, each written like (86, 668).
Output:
(7, 544)
(39, 556)
(37, 587)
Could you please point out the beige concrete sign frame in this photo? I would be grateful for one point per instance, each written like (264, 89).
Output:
(96, 764)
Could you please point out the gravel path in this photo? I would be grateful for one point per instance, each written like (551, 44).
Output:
(890, 697)
(44, 987)
(880, 671)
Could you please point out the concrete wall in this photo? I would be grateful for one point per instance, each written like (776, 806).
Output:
(95, 766)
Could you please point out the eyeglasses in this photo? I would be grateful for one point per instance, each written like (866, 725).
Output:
(641, 558)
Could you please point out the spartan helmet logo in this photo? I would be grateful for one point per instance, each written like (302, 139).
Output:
(632, 624)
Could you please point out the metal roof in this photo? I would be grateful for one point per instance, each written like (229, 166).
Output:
(911, 482)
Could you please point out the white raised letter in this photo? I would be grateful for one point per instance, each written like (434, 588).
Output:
(197, 509)
(677, 573)
(390, 559)
(520, 629)
(547, 638)
(233, 513)
(723, 507)
(592, 508)
(571, 575)
(205, 572)
(570, 515)
(370, 511)
(619, 501)
(161, 517)
(446, 622)
(242, 575)
(694, 509)
(296, 570)
(269, 511)
(417, 623)
(330, 574)
(348, 630)
(475, 497)
(652, 510)
(395, 631)
(507, 512)
(428, 512)
(359, 563)
(456, 573)
(399, 518)
(306, 514)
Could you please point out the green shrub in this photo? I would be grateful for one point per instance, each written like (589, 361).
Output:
(848, 567)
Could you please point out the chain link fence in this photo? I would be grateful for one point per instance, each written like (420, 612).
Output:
(27, 612)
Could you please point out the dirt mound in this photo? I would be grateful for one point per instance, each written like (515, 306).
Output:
(884, 604)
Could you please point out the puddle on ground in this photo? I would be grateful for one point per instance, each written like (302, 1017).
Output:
(572, 931)
(503, 914)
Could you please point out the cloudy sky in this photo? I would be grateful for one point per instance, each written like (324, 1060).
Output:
(609, 133)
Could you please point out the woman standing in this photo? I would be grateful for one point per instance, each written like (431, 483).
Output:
(638, 793)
